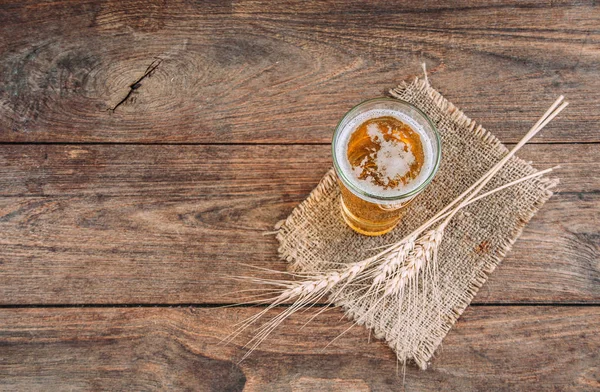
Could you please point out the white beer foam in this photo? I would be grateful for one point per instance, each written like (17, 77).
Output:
(392, 160)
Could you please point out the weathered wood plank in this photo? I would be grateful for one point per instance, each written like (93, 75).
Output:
(162, 224)
(490, 348)
(115, 250)
(247, 71)
(218, 171)
(171, 250)
(167, 170)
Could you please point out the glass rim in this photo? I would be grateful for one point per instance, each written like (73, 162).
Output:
(361, 192)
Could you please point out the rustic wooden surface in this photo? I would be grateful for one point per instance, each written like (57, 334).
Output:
(146, 147)
(180, 348)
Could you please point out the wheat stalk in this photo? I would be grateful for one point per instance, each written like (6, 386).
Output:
(407, 266)
(393, 271)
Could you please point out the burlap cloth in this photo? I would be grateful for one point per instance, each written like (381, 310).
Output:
(315, 238)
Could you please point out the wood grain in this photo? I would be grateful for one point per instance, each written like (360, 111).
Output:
(219, 171)
(163, 224)
(491, 348)
(90, 216)
(253, 72)
(114, 250)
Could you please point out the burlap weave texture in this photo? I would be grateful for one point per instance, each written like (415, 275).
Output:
(315, 238)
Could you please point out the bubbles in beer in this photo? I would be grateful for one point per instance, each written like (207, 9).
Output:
(386, 153)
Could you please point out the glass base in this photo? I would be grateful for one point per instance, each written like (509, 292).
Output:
(364, 226)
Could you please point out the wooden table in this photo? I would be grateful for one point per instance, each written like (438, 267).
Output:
(147, 146)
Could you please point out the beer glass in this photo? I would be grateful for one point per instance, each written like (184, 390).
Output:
(385, 152)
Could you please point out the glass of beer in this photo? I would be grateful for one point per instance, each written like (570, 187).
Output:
(385, 152)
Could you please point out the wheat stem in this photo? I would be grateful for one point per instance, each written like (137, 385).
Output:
(541, 123)
(500, 164)
(407, 268)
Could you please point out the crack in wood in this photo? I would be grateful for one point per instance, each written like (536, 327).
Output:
(137, 84)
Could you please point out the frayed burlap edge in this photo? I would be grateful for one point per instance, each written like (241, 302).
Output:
(315, 196)
(422, 357)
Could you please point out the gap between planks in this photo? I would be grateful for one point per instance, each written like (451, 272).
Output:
(238, 143)
(235, 305)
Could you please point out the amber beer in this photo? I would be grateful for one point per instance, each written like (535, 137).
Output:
(385, 152)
